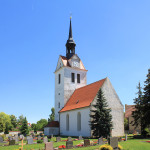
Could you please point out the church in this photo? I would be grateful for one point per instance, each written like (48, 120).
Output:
(74, 98)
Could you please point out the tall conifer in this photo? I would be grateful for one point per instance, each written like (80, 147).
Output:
(138, 113)
(101, 119)
(147, 99)
(24, 127)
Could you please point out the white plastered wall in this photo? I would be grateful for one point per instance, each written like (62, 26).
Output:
(85, 118)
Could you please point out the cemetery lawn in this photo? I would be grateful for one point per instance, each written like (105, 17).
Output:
(131, 144)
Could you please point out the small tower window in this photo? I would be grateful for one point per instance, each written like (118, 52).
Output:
(59, 105)
(78, 78)
(59, 78)
(72, 77)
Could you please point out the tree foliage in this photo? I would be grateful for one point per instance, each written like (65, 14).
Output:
(146, 102)
(101, 119)
(24, 127)
(5, 121)
(41, 124)
(138, 113)
(52, 115)
(13, 120)
(126, 124)
(34, 127)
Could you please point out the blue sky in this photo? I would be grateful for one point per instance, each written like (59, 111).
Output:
(112, 39)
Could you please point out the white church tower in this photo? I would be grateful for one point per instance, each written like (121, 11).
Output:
(70, 74)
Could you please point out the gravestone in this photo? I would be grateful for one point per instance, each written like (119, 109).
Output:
(69, 144)
(113, 142)
(10, 138)
(69, 139)
(86, 142)
(119, 139)
(1, 139)
(49, 146)
(126, 137)
(52, 136)
(30, 140)
(58, 139)
(12, 142)
(80, 137)
(16, 139)
(100, 141)
(39, 138)
(22, 137)
(45, 139)
(7, 135)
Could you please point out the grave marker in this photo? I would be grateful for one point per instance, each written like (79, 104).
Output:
(80, 137)
(69, 144)
(39, 138)
(49, 146)
(126, 137)
(58, 139)
(69, 139)
(100, 141)
(1, 139)
(30, 140)
(45, 140)
(12, 142)
(113, 142)
(86, 142)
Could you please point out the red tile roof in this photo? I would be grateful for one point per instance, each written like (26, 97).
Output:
(128, 110)
(82, 97)
(53, 124)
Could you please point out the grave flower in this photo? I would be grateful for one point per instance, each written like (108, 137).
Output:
(62, 146)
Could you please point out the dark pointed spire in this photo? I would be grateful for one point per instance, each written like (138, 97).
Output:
(70, 45)
(70, 30)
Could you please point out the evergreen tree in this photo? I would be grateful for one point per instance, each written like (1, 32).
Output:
(146, 102)
(52, 115)
(138, 113)
(24, 127)
(101, 119)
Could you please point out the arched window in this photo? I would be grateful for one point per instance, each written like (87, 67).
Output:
(67, 122)
(79, 121)
(58, 104)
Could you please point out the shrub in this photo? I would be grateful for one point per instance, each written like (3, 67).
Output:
(105, 147)
(39, 141)
(120, 147)
(146, 131)
(49, 140)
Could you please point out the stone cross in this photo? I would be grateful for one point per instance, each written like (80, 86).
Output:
(69, 144)
(49, 146)
(113, 142)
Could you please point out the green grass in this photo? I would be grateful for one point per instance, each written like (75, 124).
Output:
(130, 144)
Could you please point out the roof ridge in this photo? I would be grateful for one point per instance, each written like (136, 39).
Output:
(90, 84)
